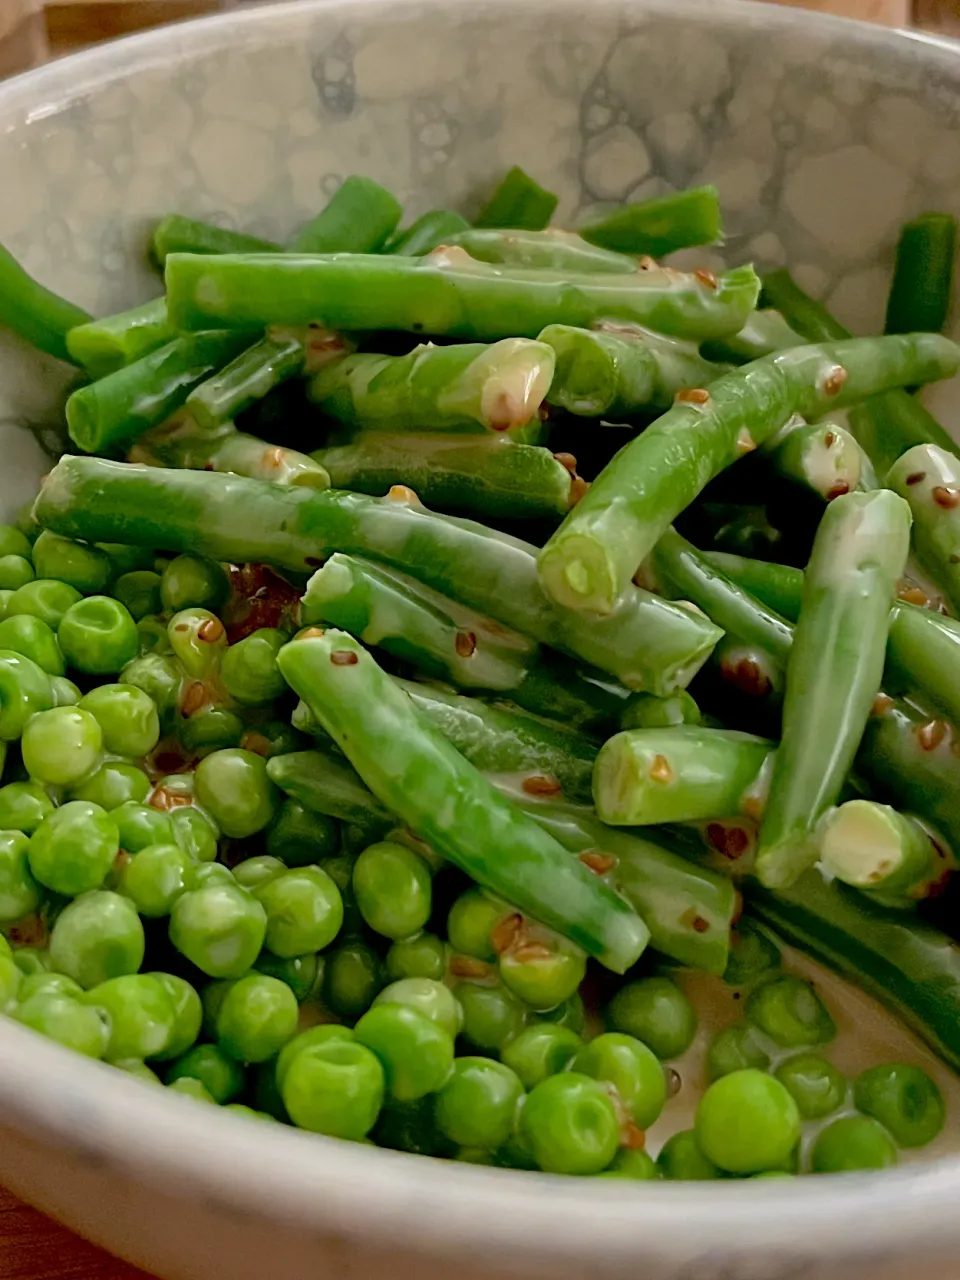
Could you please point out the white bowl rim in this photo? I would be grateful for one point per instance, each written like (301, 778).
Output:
(385, 1198)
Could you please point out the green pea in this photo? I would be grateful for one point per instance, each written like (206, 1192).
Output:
(127, 717)
(29, 960)
(139, 1013)
(636, 1165)
(220, 1075)
(35, 640)
(646, 711)
(734, 1049)
(70, 1023)
(681, 1160)
(13, 542)
(302, 974)
(233, 786)
(249, 671)
(155, 878)
(74, 848)
(472, 919)
(11, 978)
(82, 566)
(852, 1143)
(191, 1088)
(213, 873)
(543, 975)
(161, 678)
(433, 999)
(152, 637)
(423, 956)
(254, 872)
(15, 572)
(633, 1070)
(139, 1070)
(478, 1103)
(280, 737)
(96, 937)
(248, 1113)
(351, 979)
(62, 746)
(192, 582)
(24, 690)
(492, 1015)
(903, 1099)
(410, 1126)
(791, 1013)
(334, 1088)
(5, 598)
(187, 1014)
(815, 1085)
(300, 837)
(753, 955)
(98, 636)
(570, 1124)
(44, 598)
(321, 1034)
(540, 1050)
(195, 833)
(571, 1014)
(747, 1122)
(139, 593)
(199, 639)
(220, 928)
(657, 1012)
(304, 911)
(19, 892)
(211, 729)
(415, 1052)
(139, 826)
(43, 982)
(393, 889)
(65, 692)
(115, 783)
(256, 1018)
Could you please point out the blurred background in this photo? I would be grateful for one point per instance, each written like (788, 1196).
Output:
(33, 30)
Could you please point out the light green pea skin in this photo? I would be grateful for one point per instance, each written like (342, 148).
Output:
(192, 582)
(84, 567)
(68, 1021)
(11, 977)
(139, 826)
(570, 1125)
(478, 1104)
(191, 1088)
(747, 1122)
(35, 640)
(657, 1012)
(220, 1075)
(211, 729)
(433, 999)
(681, 1160)
(44, 598)
(302, 974)
(318, 1035)
(13, 542)
(152, 636)
(254, 872)
(791, 1013)
(492, 1015)
(393, 889)
(304, 911)
(155, 878)
(219, 927)
(29, 960)
(633, 1070)
(62, 746)
(257, 1016)
(544, 981)
(198, 638)
(98, 636)
(139, 592)
(96, 937)
(161, 677)
(300, 837)
(15, 571)
(213, 873)
(423, 956)
(115, 783)
(187, 1014)
(233, 786)
(416, 1054)
(23, 806)
(472, 919)
(635, 1165)
(5, 598)
(352, 976)
(139, 1013)
(49, 984)
(540, 1050)
(25, 690)
(139, 1070)
(65, 692)
(335, 1088)
(74, 848)
(850, 1144)
(127, 718)
(19, 892)
(249, 669)
(195, 833)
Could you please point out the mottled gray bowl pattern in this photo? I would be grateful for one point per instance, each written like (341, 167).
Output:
(822, 136)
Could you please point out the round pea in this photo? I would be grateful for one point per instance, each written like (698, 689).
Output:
(572, 1014)
(734, 1049)
(74, 848)
(570, 1124)
(249, 670)
(220, 928)
(195, 833)
(300, 837)
(44, 598)
(126, 558)
(747, 1122)
(191, 1088)
(351, 979)
(211, 729)
(5, 598)
(431, 998)
(127, 718)
(13, 542)
(791, 1013)
(903, 1099)
(25, 690)
(199, 639)
(15, 572)
(19, 892)
(29, 960)
(23, 806)
(302, 974)
(152, 638)
(304, 911)
(815, 1085)
(115, 783)
(43, 982)
(213, 873)
(472, 919)
(98, 636)
(492, 1015)
(65, 692)
(254, 872)
(657, 1012)
(139, 1070)
(852, 1143)
(681, 1160)
(155, 878)
(139, 1012)
(11, 978)
(35, 640)
(139, 826)
(306, 1039)
(423, 956)
(192, 582)
(219, 1074)
(160, 677)
(410, 1126)
(66, 1020)
(234, 787)
(139, 593)
(393, 889)
(753, 955)
(543, 975)
(335, 1088)
(96, 937)
(633, 1070)
(636, 1165)
(540, 1050)
(85, 567)
(256, 1018)
(187, 1014)
(415, 1052)
(61, 746)
(478, 1103)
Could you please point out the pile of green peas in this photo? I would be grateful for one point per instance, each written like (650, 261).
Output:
(166, 910)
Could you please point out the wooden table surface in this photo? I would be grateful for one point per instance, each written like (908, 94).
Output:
(34, 1248)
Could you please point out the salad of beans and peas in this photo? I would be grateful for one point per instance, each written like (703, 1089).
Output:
(446, 641)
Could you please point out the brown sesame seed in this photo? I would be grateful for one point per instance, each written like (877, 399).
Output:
(506, 932)
(541, 784)
(660, 770)
(210, 631)
(195, 697)
(944, 497)
(465, 644)
(468, 967)
(916, 476)
(402, 493)
(311, 633)
(931, 734)
(732, 842)
(597, 862)
(344, 658)
(833, 382)
(692, 395)
(707, 277)
(881, 704)
(567, 460)
(828, 438)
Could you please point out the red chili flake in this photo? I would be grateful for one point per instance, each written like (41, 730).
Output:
(210, 631)
(916, 476)
(541, 784)
(465, 644)
(748, 676)
(597, 862)
(631, 1137)
(344, 658)
(733, 842)
(402, 493)
(944, 497)
(506, 932)
(195, 697)
(837, 490)
(692, 395)
(707, 277)
(567, 460)
(833, 382)
(931, 734)
(467, 967)
(255, 742)
(828, 438)
(660, 770)
(699, 925)
(881, 704)
(31, 932)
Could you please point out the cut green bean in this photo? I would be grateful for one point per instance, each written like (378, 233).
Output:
(104, 346)
(929, 479)
(244, 381)
(429, 231)
(883, 852)
(360, 218)
(661, 225)
(922, 287)
(519, 201)
(544, 250)
(34, 312)
(228, 451)
(822, 458)
(175, 234)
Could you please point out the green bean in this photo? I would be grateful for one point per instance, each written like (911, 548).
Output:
(544, 250)
(360, 218)
(39, 316)
(519, 201)
(104, 346)
(660, 225)
(176, 234)
(428, 232)
(922, 287)
(245, 380)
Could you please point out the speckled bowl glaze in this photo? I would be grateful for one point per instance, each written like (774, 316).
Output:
(822, 136)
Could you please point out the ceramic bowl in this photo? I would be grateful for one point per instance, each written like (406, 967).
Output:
(822, 136)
